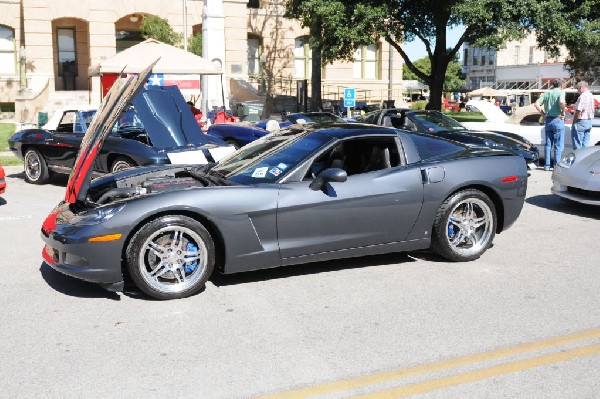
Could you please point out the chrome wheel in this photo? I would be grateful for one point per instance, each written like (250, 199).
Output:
(465, 226)
(32, 165)
(36, 170)
(470, 226)
(121, 164)
(173, 259)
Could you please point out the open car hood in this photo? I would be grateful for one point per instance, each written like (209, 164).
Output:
(113, 105)
(491, 112)
(167, 119)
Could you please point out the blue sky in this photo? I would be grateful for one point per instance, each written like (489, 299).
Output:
(416, 48)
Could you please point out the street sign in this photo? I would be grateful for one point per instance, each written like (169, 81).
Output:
(349, 97)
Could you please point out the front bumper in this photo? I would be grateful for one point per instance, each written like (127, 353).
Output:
(95, 262)
(573, 188)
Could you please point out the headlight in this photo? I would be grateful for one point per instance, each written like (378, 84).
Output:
(96, 216)
(567, 160)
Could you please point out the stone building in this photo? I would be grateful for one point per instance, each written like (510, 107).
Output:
(520, 65)
(48, 47)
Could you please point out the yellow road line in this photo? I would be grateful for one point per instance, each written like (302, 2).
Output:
(391, 375)
(482, 374)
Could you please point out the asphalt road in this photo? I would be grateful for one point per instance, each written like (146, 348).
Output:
(523, 321)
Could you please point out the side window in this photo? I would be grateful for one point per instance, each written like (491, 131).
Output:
(356, 156)
(68, 122)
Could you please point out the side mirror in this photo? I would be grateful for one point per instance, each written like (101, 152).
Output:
(328, 175)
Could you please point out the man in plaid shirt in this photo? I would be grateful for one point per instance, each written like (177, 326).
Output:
(582, 121)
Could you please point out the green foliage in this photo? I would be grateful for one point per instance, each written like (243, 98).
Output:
(342, 25)
(454, 80)
(575, 25)
(418, 105)
(195, 44)
(6, 131)
(467, 116)
(158, 28)
(10, 161)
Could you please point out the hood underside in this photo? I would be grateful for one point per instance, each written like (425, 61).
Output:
(113, 105)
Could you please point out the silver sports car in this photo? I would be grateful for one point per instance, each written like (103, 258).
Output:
(307, 193)
(577, 176)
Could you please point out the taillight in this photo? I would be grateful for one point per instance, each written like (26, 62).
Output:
(509, 179)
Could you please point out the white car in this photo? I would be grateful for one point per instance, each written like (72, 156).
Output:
(525, 122)
(577, 176)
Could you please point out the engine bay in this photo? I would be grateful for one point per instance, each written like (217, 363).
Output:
(131, 184)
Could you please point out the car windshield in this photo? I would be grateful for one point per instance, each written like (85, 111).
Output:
(271, 157)
(129, 119)
(315, 118)
(437, 122)
(87, 117)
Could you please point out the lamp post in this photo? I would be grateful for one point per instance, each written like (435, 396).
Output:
(185, 38)
(22, 68)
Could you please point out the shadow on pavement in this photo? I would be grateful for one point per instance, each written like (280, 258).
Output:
(554, 203)
(219, 279)
(73, 287)
(57, 179)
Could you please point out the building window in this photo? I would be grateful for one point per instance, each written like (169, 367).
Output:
(366, 62)
(128, 38)
(492, 56)
(254, 53)
(475, 56)
(8, 58)
(531, 48)
(67, 57)
(516, 55)
(253, 4)
(466, 56)
(302, 58)
(483, 54)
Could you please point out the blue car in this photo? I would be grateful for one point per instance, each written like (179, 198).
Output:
(237, 134)
(240, 134)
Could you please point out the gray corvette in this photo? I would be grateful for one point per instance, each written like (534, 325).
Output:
(305, 194)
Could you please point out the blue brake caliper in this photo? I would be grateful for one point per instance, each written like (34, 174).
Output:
(451, 228)
(192, 266)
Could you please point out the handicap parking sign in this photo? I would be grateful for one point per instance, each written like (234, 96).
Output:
(349, 97)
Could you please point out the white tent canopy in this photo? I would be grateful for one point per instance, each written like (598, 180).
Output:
(173, 60)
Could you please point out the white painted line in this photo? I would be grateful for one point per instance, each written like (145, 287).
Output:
(5, 218)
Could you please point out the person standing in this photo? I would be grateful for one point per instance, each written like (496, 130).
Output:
(582, 121)
(552, 105)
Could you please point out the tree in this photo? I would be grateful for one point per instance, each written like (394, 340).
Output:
(575, 25)
(158, 28)
(487, 23)
(454, 81)
(195, 44)
(329, 36)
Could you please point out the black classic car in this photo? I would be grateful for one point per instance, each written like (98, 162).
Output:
(157, 128)
(438, 124)
(306, 193)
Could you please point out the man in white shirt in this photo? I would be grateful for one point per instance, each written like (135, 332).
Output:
(582, 121)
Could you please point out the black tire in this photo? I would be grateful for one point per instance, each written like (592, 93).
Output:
(464, 227)
(233, 142)
(121, 163)
(181, 272)
(36, 169)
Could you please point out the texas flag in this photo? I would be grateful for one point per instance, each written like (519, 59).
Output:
(184, 82)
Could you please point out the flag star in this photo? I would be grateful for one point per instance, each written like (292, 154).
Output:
(155, 80)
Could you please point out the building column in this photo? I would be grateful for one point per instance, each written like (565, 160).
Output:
(214, 89)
